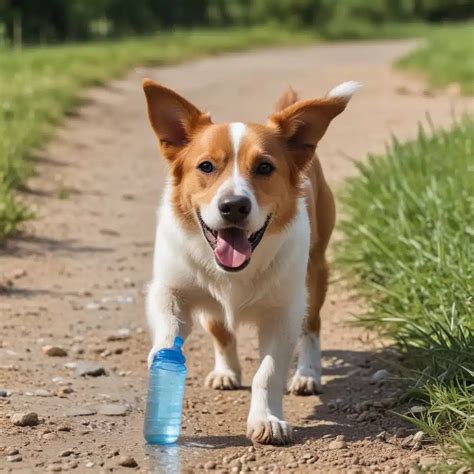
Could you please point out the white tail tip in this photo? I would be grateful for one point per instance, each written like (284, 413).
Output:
(345, 90)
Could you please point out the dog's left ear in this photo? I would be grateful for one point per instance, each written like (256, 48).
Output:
(305, 122)
(172, 117)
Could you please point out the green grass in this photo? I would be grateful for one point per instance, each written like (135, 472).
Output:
(447, 57)
(39, 85)
(409, 239)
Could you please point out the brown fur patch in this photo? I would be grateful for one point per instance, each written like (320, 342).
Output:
(220, 333)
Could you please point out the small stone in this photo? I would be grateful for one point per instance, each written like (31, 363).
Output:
(417, 409)
(426, 461)
(210, 465)
(40, 392)
(14, 458)
(407, 441)
(66, 453)
(64, 428)
(25, 419)
(236, 463)
(380, 375)
(80, 411)
(84, 368)
(11, 451)
(4, 393)
(383, 436)
(90, 464)
(54, 468)
(127, 461)
(54, 351)
(65, 391)
(119, 335)
(111, 409)
(418, 437)
(49, 436)
(251, 457)
(337, 444)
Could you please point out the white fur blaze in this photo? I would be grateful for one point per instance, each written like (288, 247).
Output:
(237, 131)
(345, 90)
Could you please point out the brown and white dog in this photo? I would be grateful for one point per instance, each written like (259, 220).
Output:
(244, 223)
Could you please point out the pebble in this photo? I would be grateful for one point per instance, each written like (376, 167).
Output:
(111, 409)
(337, 444)
(4, 393)
(54, 351)
(40, 392)
(54, 468)
(65, 391)
(25, 419)
(84, 368)
(127, 461)
(210, 465)
(380, 375)
(66, 453)
(14, 458)
(11, 451)
(418, 437)
(80, 411)
(119, 335)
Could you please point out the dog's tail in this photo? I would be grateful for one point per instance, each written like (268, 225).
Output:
(289, 97)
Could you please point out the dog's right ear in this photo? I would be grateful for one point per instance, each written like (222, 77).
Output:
(172, 117)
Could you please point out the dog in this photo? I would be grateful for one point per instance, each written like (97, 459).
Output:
(245, 219)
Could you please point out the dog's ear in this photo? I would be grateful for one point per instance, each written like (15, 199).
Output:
(304, 123)
(172, 117)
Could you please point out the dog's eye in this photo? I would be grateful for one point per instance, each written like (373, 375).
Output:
(206, 167)
(264, 169)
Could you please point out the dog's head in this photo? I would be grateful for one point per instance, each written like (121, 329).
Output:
(236, 182)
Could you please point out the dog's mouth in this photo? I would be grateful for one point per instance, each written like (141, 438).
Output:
(232, 246)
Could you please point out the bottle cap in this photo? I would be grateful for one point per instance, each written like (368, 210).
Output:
(173, 354)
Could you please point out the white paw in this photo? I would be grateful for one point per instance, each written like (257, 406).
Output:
(270, 430)
(223, 380)
(308, 383)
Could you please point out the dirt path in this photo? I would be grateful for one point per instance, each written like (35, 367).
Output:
(76, 275)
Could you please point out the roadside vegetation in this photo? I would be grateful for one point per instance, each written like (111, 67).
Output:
(446, 57)
(408, 237)
(39, 85)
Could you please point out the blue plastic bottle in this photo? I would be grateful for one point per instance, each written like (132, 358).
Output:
(165, 395)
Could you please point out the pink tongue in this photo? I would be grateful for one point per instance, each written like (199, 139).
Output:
(233, 248)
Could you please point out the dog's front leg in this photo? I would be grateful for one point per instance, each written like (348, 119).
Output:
(167, 317)
(277, 338)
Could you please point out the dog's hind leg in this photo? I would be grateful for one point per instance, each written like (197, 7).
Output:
(322, 213)
(227, 373)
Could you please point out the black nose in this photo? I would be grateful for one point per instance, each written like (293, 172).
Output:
(233, 208)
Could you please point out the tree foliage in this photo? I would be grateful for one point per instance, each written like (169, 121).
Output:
(78, 20)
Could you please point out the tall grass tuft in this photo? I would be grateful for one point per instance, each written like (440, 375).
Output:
(409, 240)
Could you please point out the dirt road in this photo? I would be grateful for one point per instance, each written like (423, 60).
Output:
(75, 279)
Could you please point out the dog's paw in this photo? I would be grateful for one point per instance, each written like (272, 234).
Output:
(269, 431)
(223, 380)
(309, 384)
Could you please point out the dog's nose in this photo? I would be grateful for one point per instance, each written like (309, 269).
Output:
(234, 208)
